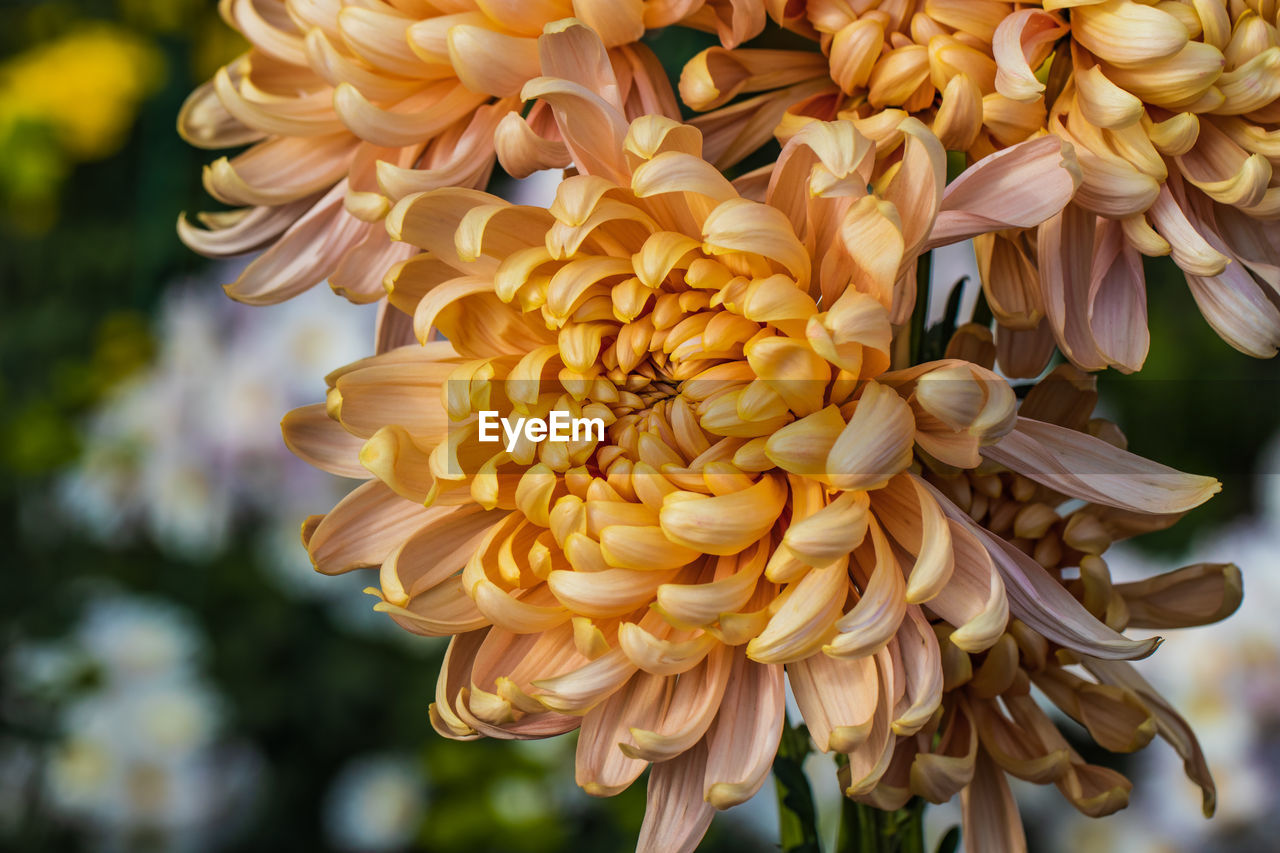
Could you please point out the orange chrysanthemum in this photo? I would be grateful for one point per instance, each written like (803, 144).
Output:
(351, 106)
(752, 510)
(1172, 108)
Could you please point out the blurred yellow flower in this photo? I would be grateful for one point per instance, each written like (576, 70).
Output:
(86, 86)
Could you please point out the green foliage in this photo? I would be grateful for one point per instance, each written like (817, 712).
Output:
(797, 817)
(1198, 405)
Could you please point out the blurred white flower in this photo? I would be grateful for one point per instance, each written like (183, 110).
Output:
(192, 444)
(141, 753)
(376, 803)
(138, 638)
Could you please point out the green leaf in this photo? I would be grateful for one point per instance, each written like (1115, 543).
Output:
(797, 817)
(950, 842)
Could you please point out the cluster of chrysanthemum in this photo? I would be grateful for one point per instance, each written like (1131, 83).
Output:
(780, 494)
(1173, 110)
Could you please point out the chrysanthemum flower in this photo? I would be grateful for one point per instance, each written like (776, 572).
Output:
(1172, 109)
(350, 106)
(990, 725)
(750, 513)
(873, 63)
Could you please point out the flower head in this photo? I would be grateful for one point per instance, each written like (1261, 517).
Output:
(1172, 110)
(751, 512)
(350, 106)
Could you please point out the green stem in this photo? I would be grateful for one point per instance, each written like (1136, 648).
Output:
(924, 270)
(981, 310)
(863, 828)
(866, 829)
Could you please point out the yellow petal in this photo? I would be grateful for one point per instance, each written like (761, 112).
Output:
(725, 524)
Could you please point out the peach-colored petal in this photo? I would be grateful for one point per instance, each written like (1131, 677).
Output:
(912, 517)
(1118, 299)
(694, 703)
(991, 820)
(837, 697)
(741, 744)
(311, 435)
(878, 613)
(602, 768)
(303, 255)
(1018, 187)
(676, 816)
(363, 529)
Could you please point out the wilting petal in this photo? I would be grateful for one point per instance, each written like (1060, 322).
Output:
(1043, 603)
(1195, 595)
(1172, 727)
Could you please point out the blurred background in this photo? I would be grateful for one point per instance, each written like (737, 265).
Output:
(173, 676)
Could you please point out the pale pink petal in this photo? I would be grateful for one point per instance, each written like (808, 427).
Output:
(1017, 187)
(1019, 45)
(1118, 299)
(304, 255)
(1081, 466)
(234, 232)
(1041, 601)
(1066, 269)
